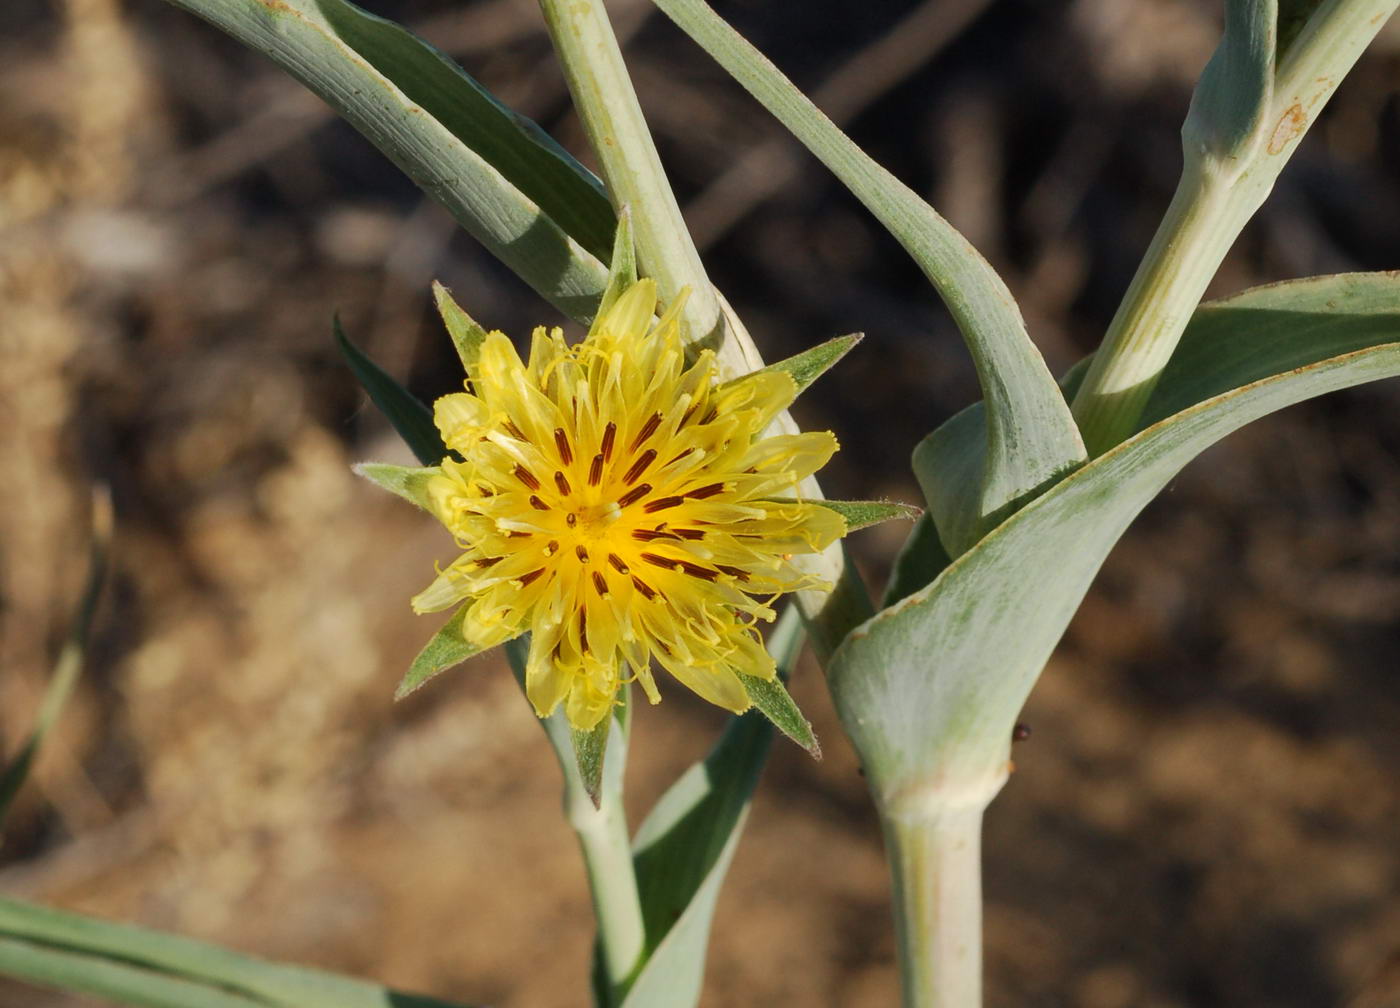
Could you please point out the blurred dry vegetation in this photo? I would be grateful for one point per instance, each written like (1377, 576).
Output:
(1208, 810)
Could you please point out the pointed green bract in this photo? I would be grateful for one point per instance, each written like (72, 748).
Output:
(446, 648)
(1032, 440)
(929, 689)
(507, 183)
(771, 698)
(589, 749)
(407, 482)
(863, 514)
(810, 365)
(622, 271)
(412, 419)
(466, 335)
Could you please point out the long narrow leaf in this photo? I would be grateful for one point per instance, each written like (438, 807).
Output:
(514, 189)
(684, 847)
(86, 947)
(410, 417)
(930, 688)
(66, 970)
(1032, 439)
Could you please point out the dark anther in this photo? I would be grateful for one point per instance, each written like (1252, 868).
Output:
(595, 471)
(527, 477)
(634, 495)
(609, 436)
(705, 491)
(662, 503)
(640, 466)
(617, 563)
(648, 429)
(538, 504)
(561, 441)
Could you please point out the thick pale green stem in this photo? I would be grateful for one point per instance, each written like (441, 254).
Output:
(935, 859)
(607, 856)
(1216, 198)
(612, 117)
(1201, 224)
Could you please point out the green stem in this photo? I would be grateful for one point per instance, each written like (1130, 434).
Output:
(935, 860)
(1215, 199)
(611, 115)
(1201, 224)
(607, 856)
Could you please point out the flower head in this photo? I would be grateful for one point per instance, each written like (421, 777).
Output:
(623, 505)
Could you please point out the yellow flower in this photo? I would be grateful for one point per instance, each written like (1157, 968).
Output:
(621, 505)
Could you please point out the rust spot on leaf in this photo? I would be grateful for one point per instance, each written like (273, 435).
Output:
(1294, 121)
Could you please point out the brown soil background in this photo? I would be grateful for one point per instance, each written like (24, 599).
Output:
(1207, 812)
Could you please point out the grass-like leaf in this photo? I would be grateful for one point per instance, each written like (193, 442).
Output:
(410, 417)
(504, 180)
(137, 966)
(70, 658)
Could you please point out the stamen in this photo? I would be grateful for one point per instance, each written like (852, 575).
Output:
(525, 579)
(515, 432)
(600, 584)
(634, 495)
(595, 471)
(551, 547)
(527, 477)
(488, 561)
(609, 436)
(538, 504)
(659, 561)
(581, 553)
(690, 533)
(617, 563)
(680, 456)
(662, 503)
(571, 520)
(695, 570)
(648, 429)
(733, 572)
(643, 587)
(647, 535)
(583, 630)
(714, 412)
(561, 441)
(640, 466)
(562, 484)
(705, 491)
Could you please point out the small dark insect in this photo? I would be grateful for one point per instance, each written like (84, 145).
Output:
(1021, 732)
